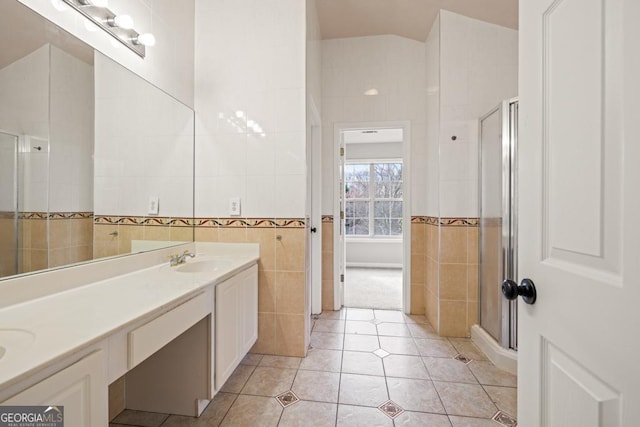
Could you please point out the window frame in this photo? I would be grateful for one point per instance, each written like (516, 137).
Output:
(372, 199)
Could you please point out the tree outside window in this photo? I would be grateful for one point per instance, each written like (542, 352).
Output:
(373, 196)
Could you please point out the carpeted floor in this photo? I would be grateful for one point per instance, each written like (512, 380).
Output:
(373, 288)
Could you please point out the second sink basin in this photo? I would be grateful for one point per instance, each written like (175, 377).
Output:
(204, 265)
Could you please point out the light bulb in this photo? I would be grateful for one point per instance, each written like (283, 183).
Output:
(146, 39)
(122, 21)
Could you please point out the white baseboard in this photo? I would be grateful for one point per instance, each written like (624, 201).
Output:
(503, 358)
(373, 265)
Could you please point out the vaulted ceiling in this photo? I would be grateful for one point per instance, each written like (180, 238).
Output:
(407, 18)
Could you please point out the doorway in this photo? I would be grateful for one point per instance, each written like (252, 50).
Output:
(372, 233)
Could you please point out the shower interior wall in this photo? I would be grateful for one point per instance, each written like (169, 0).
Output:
(472, 66)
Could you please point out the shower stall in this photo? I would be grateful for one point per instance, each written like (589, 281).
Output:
(24, 201)
(498, 222)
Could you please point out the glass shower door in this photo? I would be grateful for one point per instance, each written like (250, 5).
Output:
(497, 221)
(8, 204)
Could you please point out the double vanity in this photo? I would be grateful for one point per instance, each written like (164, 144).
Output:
(169, 335)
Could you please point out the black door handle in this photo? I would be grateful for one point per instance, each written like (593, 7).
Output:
(313, 229)
(527, 290)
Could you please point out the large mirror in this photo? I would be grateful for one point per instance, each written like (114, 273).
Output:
(94, 161)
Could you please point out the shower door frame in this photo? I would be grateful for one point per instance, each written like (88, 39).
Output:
(16, 198)
(508, 111)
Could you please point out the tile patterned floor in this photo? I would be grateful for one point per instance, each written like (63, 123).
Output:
(365, 368)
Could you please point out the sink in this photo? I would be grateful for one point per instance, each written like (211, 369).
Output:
(14, 338)
(204, 265)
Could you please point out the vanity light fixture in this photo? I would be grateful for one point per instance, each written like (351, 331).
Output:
(118, 26)
(122, 21)
(146, 39)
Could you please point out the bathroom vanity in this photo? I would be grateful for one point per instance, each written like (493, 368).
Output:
(176, 332)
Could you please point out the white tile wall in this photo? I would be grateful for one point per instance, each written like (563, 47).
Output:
(71, 140)
(477, 65)
(168, 65)
(250, 103)
(432, 68)
(143, 145)
(393, 65)
(24, 110)
(24, 95)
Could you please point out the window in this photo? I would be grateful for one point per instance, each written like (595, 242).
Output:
(373, 199)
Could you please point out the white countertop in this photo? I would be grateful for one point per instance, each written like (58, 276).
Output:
(63, 323)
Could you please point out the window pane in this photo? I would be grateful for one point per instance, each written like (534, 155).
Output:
(356, 181)
(358, 209)
(356, 172)
(356, 190)
(388, 171)
(388, 226)
(388, 190)
(387, 209)
(356, 226)
(388, 180)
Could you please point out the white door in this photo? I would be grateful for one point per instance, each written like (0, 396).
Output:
(340, 255)
(314, 197)
(579, 195)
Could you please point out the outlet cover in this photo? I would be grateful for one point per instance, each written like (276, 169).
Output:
(154, 205)
(234, 206)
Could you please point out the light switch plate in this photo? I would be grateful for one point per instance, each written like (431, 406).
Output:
(154, 205)
(234, 206)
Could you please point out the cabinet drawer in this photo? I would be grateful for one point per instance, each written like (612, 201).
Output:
(151, 337)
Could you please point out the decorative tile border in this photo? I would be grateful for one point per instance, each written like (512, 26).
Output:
(54, 215)
(431, 220)
(250, 222)
(200, 222)
(459, 222)
(7, 215)
(225, 222)
(445, 222)
(143, 221)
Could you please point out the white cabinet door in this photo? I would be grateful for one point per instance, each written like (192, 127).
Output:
(227, 329)
(81, 389)
(236, 322)
(579, 199)
(249, 302)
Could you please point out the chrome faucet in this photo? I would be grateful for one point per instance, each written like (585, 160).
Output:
(178, 259)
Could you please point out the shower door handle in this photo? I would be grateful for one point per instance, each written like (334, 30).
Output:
(527, 290)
